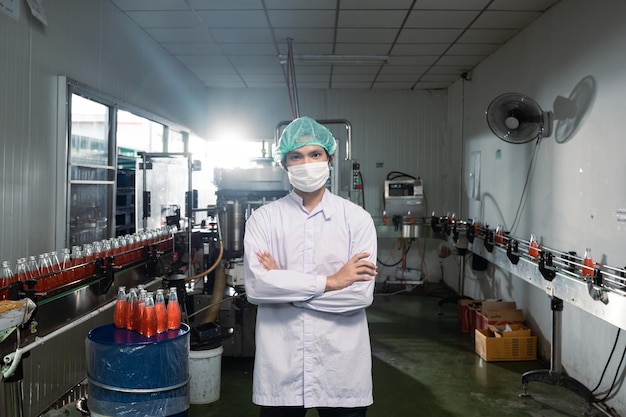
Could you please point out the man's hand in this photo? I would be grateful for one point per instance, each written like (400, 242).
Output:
(267, 261)
(357, 269)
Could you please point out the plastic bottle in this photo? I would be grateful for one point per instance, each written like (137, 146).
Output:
(89, 259)
(78, 261)
(67, 275)
(140, 307)
(132, 306)
(499, 235)
(149, 320)
(20, 270)
(120, 313)
(6, 278)
(32, 270)
(533, 247)
(588, 264)
(55, 267)
(161, 311)
(173, 311)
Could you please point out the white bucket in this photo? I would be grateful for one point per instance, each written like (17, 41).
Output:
(205, 369)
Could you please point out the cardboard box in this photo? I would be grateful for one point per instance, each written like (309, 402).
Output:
(510, 330)
(498, 312)
(492, 348)
(501, 317)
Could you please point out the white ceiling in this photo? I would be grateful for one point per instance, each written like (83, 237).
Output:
(237, 43)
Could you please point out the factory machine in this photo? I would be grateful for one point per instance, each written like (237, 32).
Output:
(404, 222)
(239, 192)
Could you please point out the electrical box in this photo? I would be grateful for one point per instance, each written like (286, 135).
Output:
(404, 196)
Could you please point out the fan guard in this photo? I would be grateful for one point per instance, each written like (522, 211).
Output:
(517, 118)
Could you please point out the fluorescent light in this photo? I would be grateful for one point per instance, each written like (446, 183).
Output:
(337, 59)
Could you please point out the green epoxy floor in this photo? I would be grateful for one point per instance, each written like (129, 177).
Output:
(423, 366)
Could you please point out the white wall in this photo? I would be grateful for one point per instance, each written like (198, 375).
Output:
(403, 131)
(96, 45)
(577, 186)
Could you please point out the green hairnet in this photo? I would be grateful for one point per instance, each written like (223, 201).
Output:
(302, 132)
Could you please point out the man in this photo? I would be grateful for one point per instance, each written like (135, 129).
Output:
(310, 264)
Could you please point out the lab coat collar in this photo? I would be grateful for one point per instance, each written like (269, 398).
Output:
(324, 205)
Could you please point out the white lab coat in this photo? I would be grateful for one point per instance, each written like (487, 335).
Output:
(312, 347)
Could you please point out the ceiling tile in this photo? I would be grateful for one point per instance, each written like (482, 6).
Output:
(353, 77)
(232, 19)
(250, 49)
(413, 60)
(362, 49)
(230, 4)
(419, 49)
(307, 48)
(263, 78)
(128, 5)
(407, 78)
(404, 69)
(448, 69)
(356, 69)
(431, 85)
(366, 35)
(472, 49)
(470, 60)
(302, 5)
(429, 35)
(215, 69)
(351, 85)
(376, 4)
(254, 60)
(395, 85)
(298, 19)
(164, 19)
(439, 77)
(242, 35)
(260, 69)
(505, 20)
(496, 36)
(440, 19)
(243, 39)
(451, 4)
(190, 35)
(371, 18)
(305, 35)
(537, 5)
(203, 60)
(192, 48)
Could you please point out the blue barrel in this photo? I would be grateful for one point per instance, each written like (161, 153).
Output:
(137, 376)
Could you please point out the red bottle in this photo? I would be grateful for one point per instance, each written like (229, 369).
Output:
(6, 278)
(533, 247)
(67, 274)
(161, 311)
(140, 308)
(132, 308)
(148, 319)
(588, 264)
(173, 311)
(120, 313)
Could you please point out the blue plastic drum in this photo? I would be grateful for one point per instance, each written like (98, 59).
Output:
(137, 376)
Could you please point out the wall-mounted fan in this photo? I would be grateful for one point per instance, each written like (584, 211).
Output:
(517, 118)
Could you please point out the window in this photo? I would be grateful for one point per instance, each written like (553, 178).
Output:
(91, 171)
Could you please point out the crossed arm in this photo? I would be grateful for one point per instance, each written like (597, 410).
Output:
(358, 268)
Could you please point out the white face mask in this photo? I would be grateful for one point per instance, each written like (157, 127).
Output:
(309, 177)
